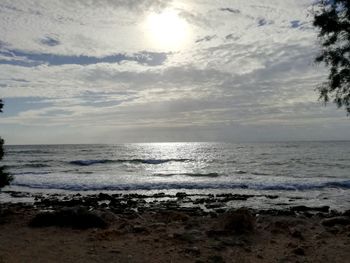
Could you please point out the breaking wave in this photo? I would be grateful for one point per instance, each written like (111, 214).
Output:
(167, 186)
(188, 174)
(143, 161)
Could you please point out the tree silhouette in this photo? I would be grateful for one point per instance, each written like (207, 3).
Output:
(5, 178)
(332, 18)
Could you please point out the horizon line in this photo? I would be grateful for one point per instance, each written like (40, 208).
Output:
(174, 142)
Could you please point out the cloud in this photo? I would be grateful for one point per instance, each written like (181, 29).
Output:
(263, 22)
(49, 41)
(205, 39)
(99, 74)
(21, 58)
(231, 10)
(133, 5)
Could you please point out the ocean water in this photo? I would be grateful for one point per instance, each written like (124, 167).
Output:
(316, 171)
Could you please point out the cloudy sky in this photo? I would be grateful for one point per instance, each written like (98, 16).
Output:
(109, 71)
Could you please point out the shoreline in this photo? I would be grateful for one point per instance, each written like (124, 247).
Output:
(169, 228)
(225, 199)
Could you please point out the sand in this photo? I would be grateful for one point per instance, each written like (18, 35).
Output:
(165, 232)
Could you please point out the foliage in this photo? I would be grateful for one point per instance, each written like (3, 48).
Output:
(332, 18)
(5, 178)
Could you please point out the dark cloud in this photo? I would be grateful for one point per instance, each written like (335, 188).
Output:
(295, 23)
(21, 58)
(11, 8)
(2, 44)
(20, 80)
(231, 37)
(262, 22)
(50, 41)
(231, 10)
(205, 39)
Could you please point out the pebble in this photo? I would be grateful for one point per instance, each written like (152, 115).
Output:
(299, 251)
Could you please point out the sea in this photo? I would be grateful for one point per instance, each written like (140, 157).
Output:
(298, 173)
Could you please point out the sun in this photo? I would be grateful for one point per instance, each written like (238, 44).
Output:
(167, 30)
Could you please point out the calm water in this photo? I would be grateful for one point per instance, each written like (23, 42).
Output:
(311, 170)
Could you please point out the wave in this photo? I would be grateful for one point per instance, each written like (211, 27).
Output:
(189, 186)
(30, 173)
(29, 165)
(275, 163)
(259, 173)
(36, 165)
(88, 162)
(28, 152)
(143, 161)
(188, 174)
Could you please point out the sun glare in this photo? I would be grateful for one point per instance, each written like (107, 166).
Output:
(167, 30)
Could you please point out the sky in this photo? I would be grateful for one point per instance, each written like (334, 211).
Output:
(114, 71)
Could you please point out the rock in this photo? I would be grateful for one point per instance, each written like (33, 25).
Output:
(213, 214)
(19, 194)
(103, 205)
(115, 251)
(79, 218)
(299, 251)
(103, 196)
(216, 259)
(271, 196)
(107, 234)
(193, 211)
(219, 210)
(278, 212)
(248, 249)
(139, 229)
(233, 242)
(215, 233)
(230, 197)
(106, 215)
(346, 213)
(291, 245)
(296, 233)
(172, 216)
(157, 195)
(157, 225)
(214, 205)
(239, 221)
(187, 236)
(181, 195)
(288, 222)
(338, 220)
(302, 208)
(4, 213)
(334, 230)
(199, 201)
(191, 224)
(193, 250)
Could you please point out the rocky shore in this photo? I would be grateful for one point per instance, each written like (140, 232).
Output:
(168, 228)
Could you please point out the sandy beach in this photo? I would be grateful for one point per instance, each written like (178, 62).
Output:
(156, 228)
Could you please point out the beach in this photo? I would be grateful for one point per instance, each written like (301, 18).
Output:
(177, 202)
(167, 228)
